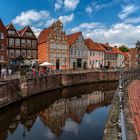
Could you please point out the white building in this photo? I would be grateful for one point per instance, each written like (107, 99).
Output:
(78, 51)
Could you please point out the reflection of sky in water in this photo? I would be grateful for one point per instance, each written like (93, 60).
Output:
(68, 118)
(71, 126)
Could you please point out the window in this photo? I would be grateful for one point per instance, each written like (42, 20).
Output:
(2, 47)
(17, 42)
(17, 53)
(23, 53)
(34, 54)
(1, 57)
(58, 55)
(28, 53)
(1, 35)
(28, 34)
(11, 53)
(23, 42)
(11, 42)
(71, 52)
(28, 43)
(90, 53)
(10, 32)
(34, 43)
(63, 55)
(51, 55)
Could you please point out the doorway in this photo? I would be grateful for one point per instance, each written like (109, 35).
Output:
(79, 63)
(57, 64)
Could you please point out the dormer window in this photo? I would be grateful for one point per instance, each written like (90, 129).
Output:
(10, 32)
(28, 34)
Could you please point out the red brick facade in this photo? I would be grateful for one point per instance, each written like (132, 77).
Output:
(53, 46)
(3, 44)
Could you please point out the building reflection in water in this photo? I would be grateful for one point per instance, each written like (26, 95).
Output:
(55, 108)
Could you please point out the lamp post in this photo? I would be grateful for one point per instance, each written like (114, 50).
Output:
(138, 51)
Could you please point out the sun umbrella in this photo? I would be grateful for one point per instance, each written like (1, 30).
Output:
(45, 64)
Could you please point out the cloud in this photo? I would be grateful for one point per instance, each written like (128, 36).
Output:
(89, 10)
(66, 19)
(71, 4)
(127, 10)
(27, 17)
(58, 4)
(132, 20)
(49, 22)
(117, 34)
(71, 126)
(36, 31)
(49, 135)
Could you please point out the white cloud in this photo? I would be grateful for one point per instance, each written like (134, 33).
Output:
(27, 17)
(66, 19)
(36, 31)
(89, 10)
(49, 135)
(58, 4)
(87, 26)
(117, 34)
(132, 20)
(49, 22)
(71, 4)
(71, 126)
(127, 10)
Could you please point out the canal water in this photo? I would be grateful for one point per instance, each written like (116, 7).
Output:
(73, 113)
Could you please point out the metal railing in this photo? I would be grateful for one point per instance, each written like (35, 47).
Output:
(125, 77)
(116, 125)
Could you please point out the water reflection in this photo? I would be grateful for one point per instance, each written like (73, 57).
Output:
(61, 114)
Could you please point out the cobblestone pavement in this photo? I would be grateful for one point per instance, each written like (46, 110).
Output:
(134, 100)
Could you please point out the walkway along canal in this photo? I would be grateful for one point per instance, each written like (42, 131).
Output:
(72, 113)
(120, 125)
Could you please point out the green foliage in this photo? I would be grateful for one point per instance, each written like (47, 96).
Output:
(124, 48)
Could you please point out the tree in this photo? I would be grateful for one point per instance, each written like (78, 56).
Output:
(124, 48)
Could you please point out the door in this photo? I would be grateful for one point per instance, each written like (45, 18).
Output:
(57, 64)
(79, 63)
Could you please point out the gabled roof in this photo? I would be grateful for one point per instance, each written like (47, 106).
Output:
(10, 26)
(22, 31)
(43, 35)
(2, 24)
(93, 45)
(73, 37)
(116, 50)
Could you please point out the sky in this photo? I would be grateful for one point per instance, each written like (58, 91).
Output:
(114, 21)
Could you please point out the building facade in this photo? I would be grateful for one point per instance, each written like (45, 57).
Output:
(120, 57)
(3, 44)
(78, 51)
(96, 54)
(22, 44)
(133, 57)
(53, 46)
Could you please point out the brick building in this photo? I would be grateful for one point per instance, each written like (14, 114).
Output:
(53, 46)
(78, 51)
(3, 44)
(22, 44)
(133, 57)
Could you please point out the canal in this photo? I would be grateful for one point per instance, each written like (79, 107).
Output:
(73, 113)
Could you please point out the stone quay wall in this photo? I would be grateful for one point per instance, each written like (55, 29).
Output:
(24, 87)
